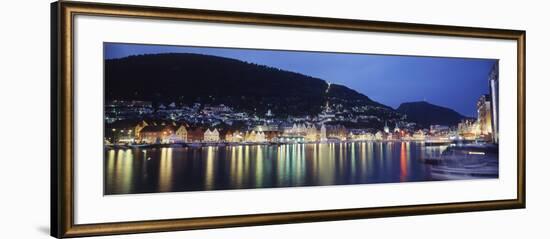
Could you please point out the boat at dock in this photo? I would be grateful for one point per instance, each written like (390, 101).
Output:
(470, 161)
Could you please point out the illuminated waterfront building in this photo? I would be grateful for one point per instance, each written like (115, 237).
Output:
(439, 129)
(195, 135)
(369, 136)
(379, 135)
(156, 134)
(311, 133)
(271, 135)
(308, 132)
(419, 135)
(484, 116)
(237, 136)
(493, 87)
(353, 136)
(181, 134)
(468, 129)
(120, 136)
(270, 131)
(229, 136)
(386, 128)
(302, 129)
(260, 137)
(406, 136)
(396, 129)
(337, 132)
(139, 127)
(360, 135)
(211, 135)
(266, 128)
(295, 130)
(323, 133)
(250, 136)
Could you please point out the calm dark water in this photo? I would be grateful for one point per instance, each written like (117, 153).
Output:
(264, 166)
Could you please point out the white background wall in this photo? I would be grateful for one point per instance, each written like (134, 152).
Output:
(24, 101)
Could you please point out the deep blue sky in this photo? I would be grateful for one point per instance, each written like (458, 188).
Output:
(456, 83)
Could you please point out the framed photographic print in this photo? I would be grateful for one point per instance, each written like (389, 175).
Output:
(170, 119)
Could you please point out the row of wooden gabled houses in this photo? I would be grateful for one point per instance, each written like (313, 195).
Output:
(164, 132)
(160, 132)
(172, 132)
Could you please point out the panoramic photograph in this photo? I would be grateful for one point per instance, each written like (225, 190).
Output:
(188, 118)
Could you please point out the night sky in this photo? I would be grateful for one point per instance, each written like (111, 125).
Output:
(456, 83)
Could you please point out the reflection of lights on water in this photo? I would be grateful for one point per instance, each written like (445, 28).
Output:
(291, 152)
(352, 152)
(477, 153)
(259, 166)
(340, 159)
(232, 164)
(403, 160)
(145, 155)
(324, 169)
(370, 157)
(280, 164)
(209, 169)
(246, 165)
(296, 166)
(122, 170)
(165, 170)
(363, 159)
(381, 152)
(389, 151)
(239, 172)
(119, 170)
(285, 165)
(111, 166)
(315, 159)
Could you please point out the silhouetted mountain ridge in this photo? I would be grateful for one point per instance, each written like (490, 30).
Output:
(189, 78)
(426, 114)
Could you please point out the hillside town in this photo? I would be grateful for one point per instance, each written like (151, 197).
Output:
(138, 123)
(141, 123)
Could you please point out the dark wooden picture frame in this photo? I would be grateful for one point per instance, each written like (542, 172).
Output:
(62, 118)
